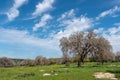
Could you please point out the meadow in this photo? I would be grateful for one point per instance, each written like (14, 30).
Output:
(59, 72)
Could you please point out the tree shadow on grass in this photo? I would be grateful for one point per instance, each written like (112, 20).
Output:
(116, 72)
(26, 75)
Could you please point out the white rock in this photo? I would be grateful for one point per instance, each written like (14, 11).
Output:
(46, 74)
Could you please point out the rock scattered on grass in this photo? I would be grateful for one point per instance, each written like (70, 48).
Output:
(105, 75)
(46, 74)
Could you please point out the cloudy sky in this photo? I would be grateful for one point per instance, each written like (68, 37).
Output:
(29, 28)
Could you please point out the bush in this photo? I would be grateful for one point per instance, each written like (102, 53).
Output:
(39, 60)
(6, 62)
(27, 62)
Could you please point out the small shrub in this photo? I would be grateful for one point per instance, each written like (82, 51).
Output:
(27, 62)
(6, 62)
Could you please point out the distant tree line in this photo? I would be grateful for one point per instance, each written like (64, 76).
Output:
(40, 61)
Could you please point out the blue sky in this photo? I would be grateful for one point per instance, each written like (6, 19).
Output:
(29, 28)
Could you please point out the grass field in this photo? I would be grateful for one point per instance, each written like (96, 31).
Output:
(59, 72)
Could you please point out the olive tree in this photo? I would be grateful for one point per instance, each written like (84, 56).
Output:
(81, 44)
(39, 60)
(27, 62)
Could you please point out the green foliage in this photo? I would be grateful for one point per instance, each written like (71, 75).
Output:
(64, 73)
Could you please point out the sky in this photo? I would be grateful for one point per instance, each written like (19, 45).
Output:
(30, 28)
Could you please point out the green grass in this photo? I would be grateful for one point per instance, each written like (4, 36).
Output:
(64, 73)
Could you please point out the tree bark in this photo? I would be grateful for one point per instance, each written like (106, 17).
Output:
(79, 63)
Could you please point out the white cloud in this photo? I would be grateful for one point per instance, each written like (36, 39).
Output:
(69, 14)
(114, 30)
(13, 11)
(71, 24)
(42, 22)
(43, 7)
(23, 37)
(76, 24)
(99, 30)
(21, 44)
(112, 12)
